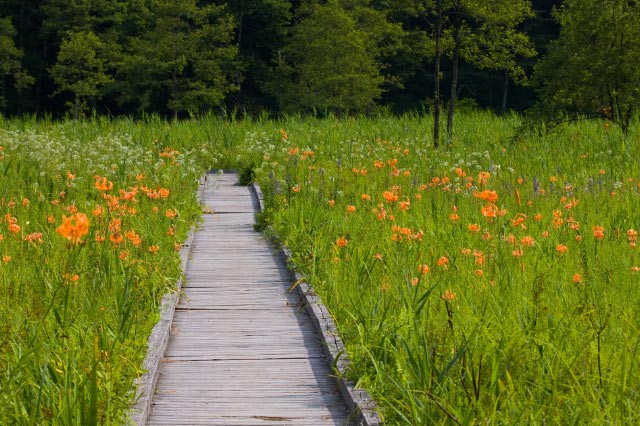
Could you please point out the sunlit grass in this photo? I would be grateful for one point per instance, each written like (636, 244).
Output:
(491, 281)
(91, 221)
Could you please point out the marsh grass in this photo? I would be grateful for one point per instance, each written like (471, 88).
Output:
(444, 325)
(505, 327)
(75, 314)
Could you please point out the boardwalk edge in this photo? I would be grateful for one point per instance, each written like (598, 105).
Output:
(159, 338)
(360, 403)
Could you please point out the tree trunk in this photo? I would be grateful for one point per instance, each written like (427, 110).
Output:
(454, 83)
(174, 78)
(436, 109)
(238, 76)
(240, 24)
(505, 91)
(20, 32)
(626, 122)
(3, 100)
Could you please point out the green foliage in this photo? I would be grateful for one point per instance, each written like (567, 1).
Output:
(485, 35)
(262, 27)
(80, 69)
(416, 41)
(108, 20)
(342, 56)
(329, 63)
(188, 49)
(246, 175)
(10, 56)
(593, 68)
(498, 43)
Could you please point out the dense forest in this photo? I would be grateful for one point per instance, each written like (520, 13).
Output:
(180, 58)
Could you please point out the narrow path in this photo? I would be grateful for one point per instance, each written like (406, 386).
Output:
(241, 351)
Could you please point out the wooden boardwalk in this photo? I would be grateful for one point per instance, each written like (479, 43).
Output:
(241, 350)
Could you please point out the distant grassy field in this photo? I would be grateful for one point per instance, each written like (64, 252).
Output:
(492, 281)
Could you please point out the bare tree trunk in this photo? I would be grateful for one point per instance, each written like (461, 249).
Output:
(626, 122)
(436, 109)
(505, 91)
(238, 76)
(76, 108)
(454, 84)
(174, 78)
(3, 100)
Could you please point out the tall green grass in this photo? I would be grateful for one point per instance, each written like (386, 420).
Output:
(75, 315)
(505, 332)
(510, 330)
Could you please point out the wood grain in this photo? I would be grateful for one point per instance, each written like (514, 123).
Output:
(242, 349)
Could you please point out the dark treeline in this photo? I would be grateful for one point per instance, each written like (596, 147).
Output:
(180, 58)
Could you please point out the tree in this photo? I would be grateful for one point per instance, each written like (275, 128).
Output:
(187, 52)
(10, 65)
(62, 16)
(594, 65)
(330, 62)
(26, 19)
(438, 58)
(113, 22)
(500, 45)
(485, 35)
(80, 69)
(104, 18)
(261, 30)
(482, 34)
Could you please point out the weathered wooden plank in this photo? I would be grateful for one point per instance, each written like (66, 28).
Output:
(193, 354)
(159, 338)
(242, 350)
(245, 334)
(210, 420)
(222, 304)
(359, 401)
